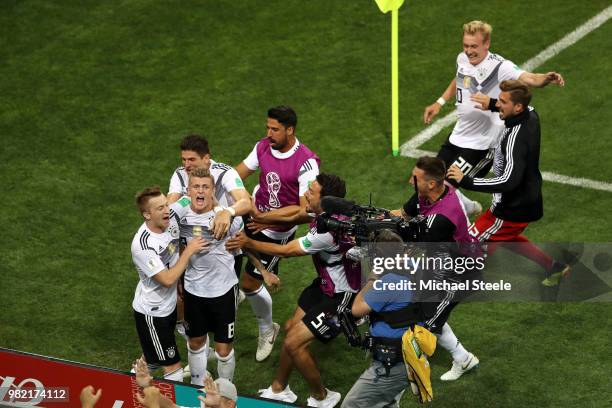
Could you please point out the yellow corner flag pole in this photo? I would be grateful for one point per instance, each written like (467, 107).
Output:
(394, 85)
(393, 6)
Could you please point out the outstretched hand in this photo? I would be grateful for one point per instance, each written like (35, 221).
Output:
(236, 242)
(555, 78)
(143, 377)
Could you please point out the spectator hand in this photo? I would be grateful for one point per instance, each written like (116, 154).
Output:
(88, 398)
(143, 377)
(213, 399)
(151, 397)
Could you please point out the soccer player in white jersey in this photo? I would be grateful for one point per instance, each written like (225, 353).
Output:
(155, 252)
(233, 198)
(210, 284)
(479, 72)
(332, 291)
(286, 167)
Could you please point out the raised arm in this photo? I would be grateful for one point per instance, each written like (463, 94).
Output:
(541, 80)
(244, 171)
(511, 175)
(290, 249)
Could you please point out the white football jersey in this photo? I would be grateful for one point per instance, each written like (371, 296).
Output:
(226, 179)
(475, 128)
(153, 253)
(210, 273)
(329, 255)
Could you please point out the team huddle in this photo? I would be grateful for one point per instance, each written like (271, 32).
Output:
(190, 250)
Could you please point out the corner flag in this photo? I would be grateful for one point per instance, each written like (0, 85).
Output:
(386, 6)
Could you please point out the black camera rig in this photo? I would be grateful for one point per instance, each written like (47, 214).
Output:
(363, 221)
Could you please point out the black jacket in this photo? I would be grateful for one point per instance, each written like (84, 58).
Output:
(517, 185)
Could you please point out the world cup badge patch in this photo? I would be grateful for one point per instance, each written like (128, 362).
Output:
(171, 248)
(466, 81)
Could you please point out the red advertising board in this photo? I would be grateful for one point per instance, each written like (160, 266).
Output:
(60, 383)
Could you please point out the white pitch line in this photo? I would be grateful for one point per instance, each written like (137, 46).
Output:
(429, 132)
(410, 147)
(577, 181)
(570, 39)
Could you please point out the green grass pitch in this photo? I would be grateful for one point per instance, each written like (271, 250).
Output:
(95, 97)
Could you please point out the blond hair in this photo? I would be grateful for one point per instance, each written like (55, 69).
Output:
(478, 26)
(143, 197)
(201, 172)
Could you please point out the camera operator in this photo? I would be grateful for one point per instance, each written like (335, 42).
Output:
(448, 226)
(382, 384)
(319, 304)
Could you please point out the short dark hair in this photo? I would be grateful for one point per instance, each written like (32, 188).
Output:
(389, 243)
(143, 197)
(285, 115)
(434, 168)
(195, 143)
(331, 185)
(518, 90)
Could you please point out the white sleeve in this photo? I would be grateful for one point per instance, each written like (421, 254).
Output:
(314, 242)
(237, 226)
(232, 181)
(252, 162)
(461, 59)
(509, 70)
(175, 184)
(308, 172)
(148, 261)
(181, 206)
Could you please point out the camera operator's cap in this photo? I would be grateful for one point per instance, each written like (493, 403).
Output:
(227, 389)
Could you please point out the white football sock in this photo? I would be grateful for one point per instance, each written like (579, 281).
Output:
(226, 365)
(469, 205)
(261, 303)
(176, 375)
(197, 364)
(450, 342)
